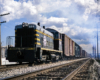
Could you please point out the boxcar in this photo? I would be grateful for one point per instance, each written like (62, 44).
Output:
(68, 46)
(65, 45)
(73, 46)
(83, 53)
(80, 52)
(77, 50)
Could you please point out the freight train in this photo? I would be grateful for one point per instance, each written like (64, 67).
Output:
(35, 43)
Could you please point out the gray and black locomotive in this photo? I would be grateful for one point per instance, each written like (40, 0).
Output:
(34, 43)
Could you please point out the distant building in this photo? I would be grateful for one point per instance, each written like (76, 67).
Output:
(3, 51)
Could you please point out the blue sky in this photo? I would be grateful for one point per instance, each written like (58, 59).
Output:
(75, 18)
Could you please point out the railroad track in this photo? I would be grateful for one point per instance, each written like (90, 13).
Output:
(53, 73)
(81, 73)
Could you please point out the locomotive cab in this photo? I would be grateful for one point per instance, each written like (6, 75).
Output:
(57, 39)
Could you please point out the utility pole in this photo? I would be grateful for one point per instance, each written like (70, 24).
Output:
(95, 51)
(97, 44)
(0, 34)
(97, 31)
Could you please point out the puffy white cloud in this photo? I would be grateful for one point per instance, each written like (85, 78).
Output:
(54, 20)
(19, 10)
(62, 20)
(80, 1)
(31, 8)
(49, 6)
(86, 13)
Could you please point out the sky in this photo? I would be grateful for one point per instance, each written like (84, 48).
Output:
(78, 19)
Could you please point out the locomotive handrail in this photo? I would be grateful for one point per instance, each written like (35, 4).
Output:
(10, 40)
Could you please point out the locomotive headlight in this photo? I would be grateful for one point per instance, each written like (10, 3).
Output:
(25, 24)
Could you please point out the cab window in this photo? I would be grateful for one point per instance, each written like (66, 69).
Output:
(56, 35)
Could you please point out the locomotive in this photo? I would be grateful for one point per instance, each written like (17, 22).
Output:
(34, 43)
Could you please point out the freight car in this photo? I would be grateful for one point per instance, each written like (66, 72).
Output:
(68, 46)
(83, 53)
(34, 43)
(77, 50)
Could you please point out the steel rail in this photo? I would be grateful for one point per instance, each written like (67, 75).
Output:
(72, 74)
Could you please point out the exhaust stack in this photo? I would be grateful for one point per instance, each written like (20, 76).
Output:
(38, 23)
(44, 27)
